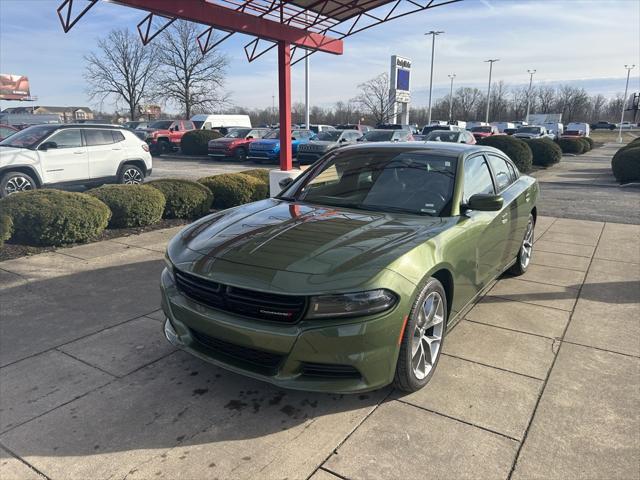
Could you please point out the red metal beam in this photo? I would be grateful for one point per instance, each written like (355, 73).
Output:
(284, 101)
(200, 11)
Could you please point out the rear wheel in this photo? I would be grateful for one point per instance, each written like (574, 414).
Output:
(13, 182)
(240, 154)
(131, 175)
(526, 249)
(422, 338)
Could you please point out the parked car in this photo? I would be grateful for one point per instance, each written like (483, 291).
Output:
(533, 131)
(502, 126)
(451, 136)
(70, 154)
(354, 126)
(318, 128)
(220, 122)
(472, 125)
(427, 129)
(484, 131)
(325, 142)
(7, 131)
(582, 127)
(397, 126)
(350, 278)
(603, 126)
(236, 143)
(555, 129)
(510, 131)
(164, 136)
(135, 125)
(387, 136)
(626, 125)
(268, 149)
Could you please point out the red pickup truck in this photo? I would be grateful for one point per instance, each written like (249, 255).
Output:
(163, 136)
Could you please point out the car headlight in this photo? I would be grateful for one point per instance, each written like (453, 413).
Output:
(351, 304)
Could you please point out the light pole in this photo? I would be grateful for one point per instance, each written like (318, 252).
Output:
(306, 86)
(490, 61)
(433, 34)
(451, 76)
(530, 72)
(624, 99)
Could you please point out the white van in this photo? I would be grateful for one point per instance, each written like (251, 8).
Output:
(501, 126)
(471, 125)
(210, 122)
(581, 127)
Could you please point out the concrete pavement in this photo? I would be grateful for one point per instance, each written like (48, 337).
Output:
(541, 379)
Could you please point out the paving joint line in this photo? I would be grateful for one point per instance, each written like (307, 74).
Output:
(23, 461)
(471, 424)
(492, 366)
(336, 474)
(536, 304)
(600, 349)
(511, 329)
(84, 362)
(550, 370)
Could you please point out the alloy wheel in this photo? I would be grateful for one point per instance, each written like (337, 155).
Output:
(427, 336)
(527, 246)
(18, 184)
(132, 176)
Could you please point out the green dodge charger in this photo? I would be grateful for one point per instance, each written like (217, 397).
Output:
(349, 279)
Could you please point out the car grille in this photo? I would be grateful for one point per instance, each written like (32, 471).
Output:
(327, 370)
(249, 303)
(266, 363)
(218, 149)
(265, 147)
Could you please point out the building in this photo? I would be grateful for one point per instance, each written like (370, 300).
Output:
(65, 114)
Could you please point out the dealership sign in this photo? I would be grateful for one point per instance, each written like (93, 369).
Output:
(400, 84)
(14, 87)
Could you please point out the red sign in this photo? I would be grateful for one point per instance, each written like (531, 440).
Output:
(14, 87)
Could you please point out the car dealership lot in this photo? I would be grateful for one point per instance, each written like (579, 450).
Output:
(540, 380)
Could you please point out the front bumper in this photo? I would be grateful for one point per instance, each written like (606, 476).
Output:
(264, 155)
(359, 354)
(305, 158)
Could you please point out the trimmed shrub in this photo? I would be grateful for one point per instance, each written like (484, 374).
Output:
(6, 228)
(53, 217)
(586, 146)
(545, 152)
(589, 141)
(196, 142)
(634, 143)
(516, 149)
(231, 189)
(185, 198)
(131, 205)
(626, 164)
(259, 173)
(571, 145)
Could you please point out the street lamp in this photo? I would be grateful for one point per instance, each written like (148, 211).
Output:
(624, 99)
(433, 34)
(530, 72)
(490, 62)
(451, 76)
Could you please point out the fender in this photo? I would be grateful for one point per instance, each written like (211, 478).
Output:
(29, 170)
(136, 160)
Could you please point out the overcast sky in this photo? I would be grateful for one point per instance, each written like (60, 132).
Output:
(586, 42)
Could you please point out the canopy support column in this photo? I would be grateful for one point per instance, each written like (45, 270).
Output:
(284, 102)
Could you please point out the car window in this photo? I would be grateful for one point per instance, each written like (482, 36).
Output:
(98, 137)
(67, 138)
(477, 178)
(500, 171)
(513, 172)
(189, 126)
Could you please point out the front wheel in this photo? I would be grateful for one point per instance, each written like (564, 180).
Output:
(526, 249)
(14, 182)
(131, 175)
(422, 338)
(240, 154)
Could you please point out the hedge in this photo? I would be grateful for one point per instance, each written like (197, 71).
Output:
(571, 145)
(6, 228)
(590, 141)
(545, 152)
(184, 198)
(586, 146)
(231, 189)
(53, 217)
(196, 142)
(259, 173)
(626, 164)
(516, 149)
(131, 205)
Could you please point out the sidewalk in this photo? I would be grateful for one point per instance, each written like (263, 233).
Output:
(539, 381)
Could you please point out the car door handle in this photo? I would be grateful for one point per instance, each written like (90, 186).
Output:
(116, 149)
(78, 153)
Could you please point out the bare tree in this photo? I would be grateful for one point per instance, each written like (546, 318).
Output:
(546, 98)
(374, 98)
(465, 101)
(188, 78)
(122, 69)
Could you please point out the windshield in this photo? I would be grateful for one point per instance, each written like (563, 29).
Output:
(378, 136)
(161, 124)
(481, 129)
(198, 124)
(389, 180)
(329, 135)
(29, 137)
(431, 128)
(273, 134)
(528, 130)
(442, 136)
(238, 133)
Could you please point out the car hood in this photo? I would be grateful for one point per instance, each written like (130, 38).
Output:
(266, 143)
(225, 140)
(12, 155)
(302, 238)
(527, 135)
(320, 144)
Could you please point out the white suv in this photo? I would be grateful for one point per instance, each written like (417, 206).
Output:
(60, 155)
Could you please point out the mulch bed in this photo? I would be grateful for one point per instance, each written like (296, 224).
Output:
(11, 250)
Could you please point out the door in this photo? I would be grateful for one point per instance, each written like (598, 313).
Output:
(66, 158)
(510, 215)
(104, 154)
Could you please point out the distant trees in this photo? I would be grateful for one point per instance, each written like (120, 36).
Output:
(374, 99)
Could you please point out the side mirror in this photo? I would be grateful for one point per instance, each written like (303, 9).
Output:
(485, 202)
(249, 137)
(285, 182)
(47, 145)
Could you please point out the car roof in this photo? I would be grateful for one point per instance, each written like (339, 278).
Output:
(83, 125)
(440, 148)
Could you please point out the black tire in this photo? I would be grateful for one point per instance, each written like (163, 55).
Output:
(13, 182)
(131, 174)
(405, 378)
(155, 149)
(522, 260)
(240, 154)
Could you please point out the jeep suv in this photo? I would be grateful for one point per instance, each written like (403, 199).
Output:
(72, 154)
(164, 136)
